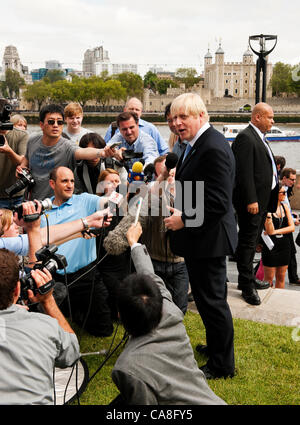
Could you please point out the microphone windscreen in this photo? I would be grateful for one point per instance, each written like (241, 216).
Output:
(137, 167)
(171, 160)
(149, 169)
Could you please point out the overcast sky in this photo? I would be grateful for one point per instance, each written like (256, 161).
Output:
(169, 34)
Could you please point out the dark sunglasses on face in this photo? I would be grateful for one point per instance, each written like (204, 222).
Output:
(52, 122)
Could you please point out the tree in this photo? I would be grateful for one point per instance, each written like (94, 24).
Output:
(81, 90)
(39, 92)
(164, 84)
(54, 75)
(281, 79)
(151, 81)
(133, 83)
(13, 82)
(61, 91)
(188, 76)
(295, 79)
(106, 90)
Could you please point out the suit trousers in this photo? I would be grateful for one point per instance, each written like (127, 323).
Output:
(209, 288)
(250, 228)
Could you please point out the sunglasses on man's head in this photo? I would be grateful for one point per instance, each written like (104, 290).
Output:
(52, 122)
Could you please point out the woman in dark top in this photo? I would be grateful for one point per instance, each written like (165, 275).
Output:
(277, 226)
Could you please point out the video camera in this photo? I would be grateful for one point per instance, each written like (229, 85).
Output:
(25, 180)
(46, 205)
(51, 262)
(5, 123)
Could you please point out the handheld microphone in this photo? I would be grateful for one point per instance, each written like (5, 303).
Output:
(148, 172)
(171, 161)
(137, 214)
(136, 173)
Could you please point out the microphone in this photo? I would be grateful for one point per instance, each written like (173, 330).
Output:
(137, 214)
(171, 161)
(136, 173)
(148, 172)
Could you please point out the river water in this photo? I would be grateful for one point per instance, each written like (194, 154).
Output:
(290, 150)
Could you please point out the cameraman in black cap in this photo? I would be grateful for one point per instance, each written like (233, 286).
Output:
(13, 142)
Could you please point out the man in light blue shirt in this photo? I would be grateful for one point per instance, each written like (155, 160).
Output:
(133, 139)
(87, 292)
(135, 105)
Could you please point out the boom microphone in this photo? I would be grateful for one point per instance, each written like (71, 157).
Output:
(171, 161)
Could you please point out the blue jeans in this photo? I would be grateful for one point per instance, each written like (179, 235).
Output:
(10, 203)
(176, 279)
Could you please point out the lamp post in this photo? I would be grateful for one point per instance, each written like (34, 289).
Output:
(261, 63)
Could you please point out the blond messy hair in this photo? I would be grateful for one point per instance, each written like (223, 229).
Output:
(189, 104)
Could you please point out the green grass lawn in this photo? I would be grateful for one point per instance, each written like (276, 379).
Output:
(267, 365)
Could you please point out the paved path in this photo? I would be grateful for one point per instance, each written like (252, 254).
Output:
(278, 306)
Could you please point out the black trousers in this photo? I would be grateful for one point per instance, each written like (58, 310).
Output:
(209, 287)
(88, 298)
(250, 228)
(292, 268)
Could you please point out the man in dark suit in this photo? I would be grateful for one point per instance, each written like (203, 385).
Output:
(255, 193)
(203, 227)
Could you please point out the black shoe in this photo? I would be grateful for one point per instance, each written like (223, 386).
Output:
(251, 296)
(261, 284)
(211, 374)
(202, 349)
(297, 282)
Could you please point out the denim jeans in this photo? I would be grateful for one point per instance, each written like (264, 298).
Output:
(176, 279)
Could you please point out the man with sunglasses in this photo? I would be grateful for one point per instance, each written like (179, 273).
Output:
(49, 150)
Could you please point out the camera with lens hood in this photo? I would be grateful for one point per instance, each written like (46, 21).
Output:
(46, 205)
(51, 261)
(5, 123)
(25, 180)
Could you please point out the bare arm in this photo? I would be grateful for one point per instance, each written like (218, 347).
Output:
(60, 233)
(10, 153)
(93, 153)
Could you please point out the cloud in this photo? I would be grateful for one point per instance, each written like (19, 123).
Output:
(166, 33)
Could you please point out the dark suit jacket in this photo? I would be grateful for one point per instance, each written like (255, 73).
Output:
(254, 172)
(210, 161)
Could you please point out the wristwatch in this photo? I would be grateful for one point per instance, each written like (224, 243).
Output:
(85, 224)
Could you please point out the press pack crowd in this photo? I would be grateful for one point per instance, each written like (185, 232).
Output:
(80, 243)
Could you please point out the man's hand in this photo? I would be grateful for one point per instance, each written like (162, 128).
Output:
(253, 208)
(41, 277)
(96, 219)
(108, 152)
(174, 222)
(28, 209)
(133, 234)
(19, 171)
(5, 148)
(118, 154)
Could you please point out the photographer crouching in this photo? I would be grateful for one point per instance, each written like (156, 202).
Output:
(31, 344)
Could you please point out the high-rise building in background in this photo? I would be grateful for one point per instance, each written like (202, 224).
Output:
(97, 61)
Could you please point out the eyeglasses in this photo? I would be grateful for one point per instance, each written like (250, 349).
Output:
(52, 122)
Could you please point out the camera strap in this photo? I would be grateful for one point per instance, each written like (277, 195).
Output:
(31, 217)
(44, 289)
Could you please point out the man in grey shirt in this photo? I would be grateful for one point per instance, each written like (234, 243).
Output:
(31, 344)
(49, 150)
